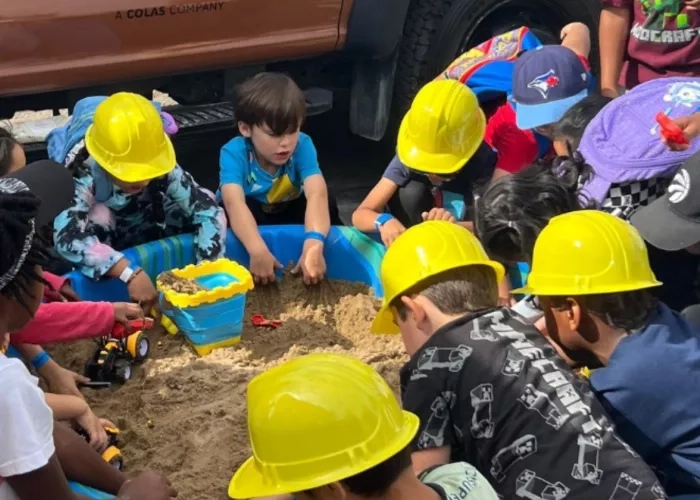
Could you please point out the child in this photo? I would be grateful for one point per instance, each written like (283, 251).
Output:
(498, 68)
(641, 40)
(440, 151)
(12, 155)
(486, 386)
(568, 131)
(591, 274)
(359, 442)
(270, 175)
(34, 452)
(129, 191)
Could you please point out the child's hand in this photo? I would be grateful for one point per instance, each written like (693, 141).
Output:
(572, 27)
(67, 293)
(311, 263)
(60, 380)
(390, 230)
(689, 125)
(263, 266)
(438, 214)
(692, 4)
(127, 311)
(94, 427)
(142, 291)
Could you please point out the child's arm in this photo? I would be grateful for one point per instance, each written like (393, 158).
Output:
(200, 204)
(65, 407)
(613, 33)
(232, 165)
(75, 409)
(577, 37)
(57, 322)
(76, 241)
(370, 215)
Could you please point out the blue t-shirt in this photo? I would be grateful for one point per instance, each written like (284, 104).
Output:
(238, 165)
(458, 192)
(651, 389)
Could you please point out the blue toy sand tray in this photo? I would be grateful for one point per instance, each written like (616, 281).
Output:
(350, 256)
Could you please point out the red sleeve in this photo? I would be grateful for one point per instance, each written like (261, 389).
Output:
(516, 148)
(585, 61)
(57, 322)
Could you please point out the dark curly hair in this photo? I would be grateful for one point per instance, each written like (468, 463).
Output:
(7, 145)
(17, 212)
(511, 211)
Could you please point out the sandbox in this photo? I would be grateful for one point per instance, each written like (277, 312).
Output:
(185, 415)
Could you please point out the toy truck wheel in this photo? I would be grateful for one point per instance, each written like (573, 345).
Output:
(122, 370)
(138, 346)
(113, 456)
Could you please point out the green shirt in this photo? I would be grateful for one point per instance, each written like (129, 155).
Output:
(458, 481)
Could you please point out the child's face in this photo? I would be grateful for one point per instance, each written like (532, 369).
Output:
(19, 159)
(130, 187)
(18, 315)
(562, 331)
(270, 148)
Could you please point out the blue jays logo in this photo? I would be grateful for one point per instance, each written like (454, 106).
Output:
(544, 82)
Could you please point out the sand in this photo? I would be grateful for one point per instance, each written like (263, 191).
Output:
(186, 416)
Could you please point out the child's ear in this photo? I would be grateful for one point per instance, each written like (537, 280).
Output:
(573, 314)
(245, 130)
(414, 308)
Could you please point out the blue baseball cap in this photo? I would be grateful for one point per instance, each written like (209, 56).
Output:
(547, 81)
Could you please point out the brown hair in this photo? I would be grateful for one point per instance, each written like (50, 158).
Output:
(271, 99)
(458, 291)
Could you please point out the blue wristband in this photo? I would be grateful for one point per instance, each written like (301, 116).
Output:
(382, 219)
(40, 360)
(315, 235)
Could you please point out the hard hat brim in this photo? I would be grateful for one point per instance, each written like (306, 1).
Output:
(556, 291)
(250, 482)
(161, 164)
(383, 323)
(433, 163)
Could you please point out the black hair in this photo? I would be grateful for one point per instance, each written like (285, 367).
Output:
(512, 210)
(572, 125)
(271, 99)
(16, 213)
(7, 146)
(376, 481)
(627, 311)
(155, 188)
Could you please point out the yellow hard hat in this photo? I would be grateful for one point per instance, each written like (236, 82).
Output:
(442, 130)
(588, 252)
(426, 250)
(316, 420)
(127, 139)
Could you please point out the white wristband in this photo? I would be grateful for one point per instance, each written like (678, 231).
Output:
(126, 274)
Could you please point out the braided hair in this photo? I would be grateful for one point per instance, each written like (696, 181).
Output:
(17, 213)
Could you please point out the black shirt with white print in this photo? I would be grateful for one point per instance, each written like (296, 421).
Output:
(491, 388)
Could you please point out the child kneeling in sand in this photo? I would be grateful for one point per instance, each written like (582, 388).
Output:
(348, 438)
(487, 387)
(591, 274)
(37, 454)
(270, 175)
